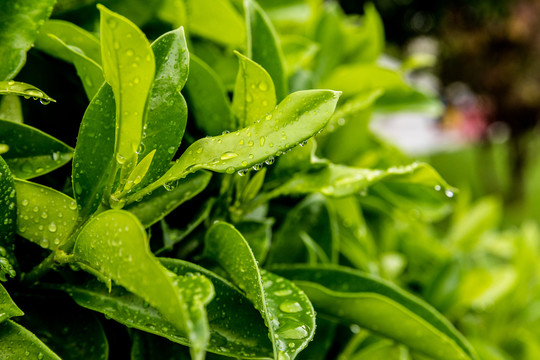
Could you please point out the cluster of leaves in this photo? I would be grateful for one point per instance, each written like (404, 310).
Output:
(276, 217)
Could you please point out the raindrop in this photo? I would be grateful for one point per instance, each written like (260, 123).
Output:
(263, 86)
(262, 141)
(243, 172)
(228, 155)
(230, 170)
(303, 143)
(44, 101)
(449, 193)
(438, 187)
(257, 167)
(225, 132)
(141, 148)
(171, 185)
(290, 307)
(283, 292)
(296, 333)
(270, 160)
(250, 143)
(171, 150)
(52, 227)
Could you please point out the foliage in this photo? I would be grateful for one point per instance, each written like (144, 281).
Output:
(220, 204)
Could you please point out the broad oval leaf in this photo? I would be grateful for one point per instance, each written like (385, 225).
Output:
(287, 312)
(71, 35)
(264, 48)
(22, 89)
(295, 119)
(207, 99)
(154, 207)
(166, 113)
(8, 309)
(31, 152)
(8, 225)
(128, 66)
(17, 342)
(115, 245)
(235, 329)
(19, 24)
(379, 306)
(254, 93)
(44, 216)
(94, 152)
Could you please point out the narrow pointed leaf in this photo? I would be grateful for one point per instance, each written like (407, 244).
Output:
(71, 35)
(264, 48)
(162, 201)
(235, 327)
(254, 93)
(44, 216)
(298, 117)
(8, 309)
(20, 22)
(330, 38)
(27, 91)
(17, 342)
(128, 66)
(372, 303)
(10, 108)
(115, 244)
(93, 158)
(287, 312)
(166, 113)
(140, 171)
(31, 152)
(8, 225)
(207, 99)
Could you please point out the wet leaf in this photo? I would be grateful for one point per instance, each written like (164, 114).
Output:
(71, 35)
(254, 93)
(208, 99)
(31, 152)
(140, 171)
(166, 113)
(264, 48)
(8, 224)
(115, 245)
(44, 216)
(8, 309)
(18, 343)
(10, 108)
(356, 298)
(287, 312)
(258, 234)
(128, 66)
(19, 23)
(27, 91)
(236, 328)
(162, 201)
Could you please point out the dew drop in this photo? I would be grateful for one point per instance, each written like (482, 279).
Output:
(261, 142)
(225, 132)
(258, 166)
(270, 160)
(25, 202)
(290, 307)
(44, 101)
(171, 185)
(449, 193)
(303, 143)
(228, 155)
(171, 150)
(250, 143)
(230, 170)
(52, 227)
(141, 148)
(438, 187)
(243, 172)
(263, 86)
(296, 333)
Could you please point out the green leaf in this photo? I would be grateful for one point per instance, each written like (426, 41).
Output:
(264, 48)
(115, 245)
(94, 153)
(313, 217)
(45, 216)
(166, 113)
(8, 225)
(287, 312)
(253, 187)
(208, 99)
(382, 350)
(295, 119)
(25, 90)
(258, 234)
(356, 298)
(330, 38)
(140, 171)
(235, 327)
(71, 35)
(162, 201)
(8, 309)
(10, 108)
(31, 152)
(18, 343)
(216, 20)
(128, 66)
(19, 23)
(254, 93)
(364, 43)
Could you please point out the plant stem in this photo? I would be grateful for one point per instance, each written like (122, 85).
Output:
(39, 271)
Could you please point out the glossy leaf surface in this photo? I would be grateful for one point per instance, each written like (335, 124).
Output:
(234, 327)
(71, 35)
(128, 66)
(115, 245)
(287, 312)
(17, 342)
(162, 201)
(166, 113)
(19, 23)
(8, 226)
(7, 306)
(207, 98)
(44, 216)
(295, 119)
(27, 91)
(356, 298)
(31, 152)
(10, 108)
(254, 93)
(264, 47)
